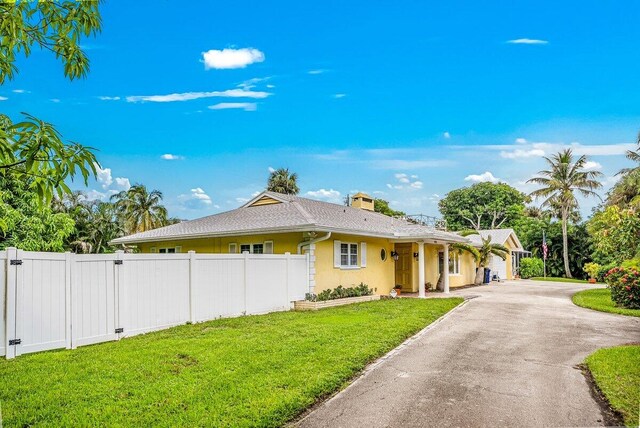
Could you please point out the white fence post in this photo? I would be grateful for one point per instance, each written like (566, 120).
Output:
(10, 325)
(118, 279)
(192, 286)
(246, 280)
(287, 256)
(67, 299)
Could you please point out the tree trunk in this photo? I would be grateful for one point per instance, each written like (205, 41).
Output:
(565, 244)
(479, 276)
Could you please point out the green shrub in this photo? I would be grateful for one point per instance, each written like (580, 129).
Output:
(625, 287)
(592, 269)
(530, 267)
(631, 264)
(603, 271)
(340, 292)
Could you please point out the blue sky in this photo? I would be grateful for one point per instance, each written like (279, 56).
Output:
(406, 101)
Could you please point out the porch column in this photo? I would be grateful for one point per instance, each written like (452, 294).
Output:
(446, 268)
(421, 292)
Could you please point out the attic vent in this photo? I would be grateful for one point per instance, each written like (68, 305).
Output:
(265, 200)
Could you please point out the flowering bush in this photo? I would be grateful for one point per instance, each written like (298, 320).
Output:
(625, 287)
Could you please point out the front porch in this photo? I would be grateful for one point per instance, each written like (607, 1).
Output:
(420, 264)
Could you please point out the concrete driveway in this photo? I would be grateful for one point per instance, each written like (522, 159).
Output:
(506, 358)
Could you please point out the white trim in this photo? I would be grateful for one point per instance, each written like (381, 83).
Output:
(350, 254)
(233, 248)
(262, 195)
(363, 254)
(264, 248)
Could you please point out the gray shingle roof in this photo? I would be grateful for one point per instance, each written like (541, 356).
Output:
(293, 214)
(498, 236)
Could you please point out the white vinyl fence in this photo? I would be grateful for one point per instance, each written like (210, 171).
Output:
(64, 300)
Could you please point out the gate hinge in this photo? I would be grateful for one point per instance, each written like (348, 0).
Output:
(118, 262)
(119, 330)
(15, 342)
(15, 262)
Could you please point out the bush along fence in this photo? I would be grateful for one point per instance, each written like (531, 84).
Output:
(624, 284)
(64, 300)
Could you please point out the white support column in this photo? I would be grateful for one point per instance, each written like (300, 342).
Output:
(446, 268)
(421, 291)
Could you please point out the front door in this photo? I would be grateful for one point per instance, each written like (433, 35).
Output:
(404, 266)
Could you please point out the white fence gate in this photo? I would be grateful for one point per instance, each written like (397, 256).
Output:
(64, 300)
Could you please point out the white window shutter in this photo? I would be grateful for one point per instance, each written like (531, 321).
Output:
(233, 248)
(178, 249)
(153, 249)
(363, 254)
(268, 247)
(336, 254)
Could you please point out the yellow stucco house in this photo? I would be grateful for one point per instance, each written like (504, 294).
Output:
(347, 245)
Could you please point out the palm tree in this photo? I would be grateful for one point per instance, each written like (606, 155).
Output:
(565, 176)
(634, 156)
(283, 181)
(140, 209)
(482, 254)
(626, 192)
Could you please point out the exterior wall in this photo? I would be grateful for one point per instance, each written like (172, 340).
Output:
(282, 243)
(378, 274)
(467, 271)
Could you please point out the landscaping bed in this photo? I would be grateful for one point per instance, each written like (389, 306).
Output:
(306, 305)
(616, 372)
(248, 371)
(599, 299)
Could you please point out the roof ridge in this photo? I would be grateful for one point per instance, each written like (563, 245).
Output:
(302, 211)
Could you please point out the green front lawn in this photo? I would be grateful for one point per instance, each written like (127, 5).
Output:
(258, 370)
(616, 371)
(559, 279)
(600, 300)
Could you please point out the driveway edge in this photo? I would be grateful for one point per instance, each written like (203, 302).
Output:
(371, 366)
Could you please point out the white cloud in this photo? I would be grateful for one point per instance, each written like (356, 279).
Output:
(521, 141)
(242, 106)
(231, 58)
(270, 86)
(338, 96)
(327, 195)
(169, 156)
(271, 169)
(242, 200)
(3, 98)
(519, 153)
(317, 71)
(20, 91)
(592, 165)
(196, 198)
(107, 98)
(55, 100)
(188, 96)
(485, 176)
(526, 41)
(251, 83)
(103, 176)
(446, 135)
(93, 195)
(404, 181)
(122, 183)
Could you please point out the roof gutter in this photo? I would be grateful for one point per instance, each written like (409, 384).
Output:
(313, 241)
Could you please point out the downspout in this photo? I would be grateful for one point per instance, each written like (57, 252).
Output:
(313, 241)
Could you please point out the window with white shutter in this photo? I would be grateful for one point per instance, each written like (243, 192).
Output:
(233, 248)
(268, 247)
(363, 254)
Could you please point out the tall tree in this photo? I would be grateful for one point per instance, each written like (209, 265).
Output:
(140, 209)
(382, 206)
(483, 206)
(283, 181)
(565, 177)
(634, 156)
(33, 148)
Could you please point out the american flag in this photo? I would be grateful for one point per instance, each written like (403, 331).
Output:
(545, 249)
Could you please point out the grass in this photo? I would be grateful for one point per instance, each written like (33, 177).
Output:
(559, 279)
(616, 371)
(249, 371)
(600, 300)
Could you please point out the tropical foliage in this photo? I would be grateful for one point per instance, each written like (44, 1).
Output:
(32, 148)
(25, 223)
(616, 234)
(283, 181)
(140, 209)
(531, 267)
(565, 177)
(483, 253)
(483, 206)
(382, 206)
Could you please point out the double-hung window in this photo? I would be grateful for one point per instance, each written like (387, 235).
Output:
(348, 255)
(260, 248)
